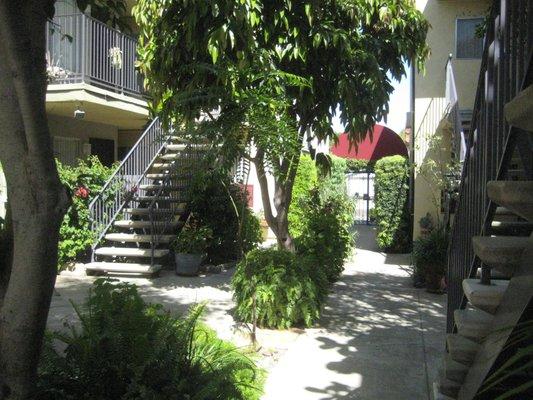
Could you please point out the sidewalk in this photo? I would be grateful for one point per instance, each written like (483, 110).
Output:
(379, 338)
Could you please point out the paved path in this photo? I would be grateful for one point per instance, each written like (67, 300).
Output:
(378, 339)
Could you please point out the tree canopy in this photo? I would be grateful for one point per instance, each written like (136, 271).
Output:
(200, 55)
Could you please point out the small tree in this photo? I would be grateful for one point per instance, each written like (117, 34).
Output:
(274, 70)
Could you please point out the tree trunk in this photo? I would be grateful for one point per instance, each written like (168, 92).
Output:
(282, 198)
(37, 199)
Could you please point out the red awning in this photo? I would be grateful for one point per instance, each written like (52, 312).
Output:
(385, 142)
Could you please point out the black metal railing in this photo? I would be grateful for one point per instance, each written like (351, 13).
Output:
(121, 187)
(81, 49)
(504, 72)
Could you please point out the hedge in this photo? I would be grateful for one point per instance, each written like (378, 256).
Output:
(306, 179)
(391, 204)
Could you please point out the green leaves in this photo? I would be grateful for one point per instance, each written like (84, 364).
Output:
(211, 51)
(391, 203)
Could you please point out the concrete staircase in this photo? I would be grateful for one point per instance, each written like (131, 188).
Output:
(476, 325)
(139, 240)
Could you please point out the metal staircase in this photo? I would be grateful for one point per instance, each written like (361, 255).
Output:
(143, 205)
(490, 267)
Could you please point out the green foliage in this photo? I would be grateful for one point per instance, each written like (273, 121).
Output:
(391, 204)
(334, 182)
(127, 349)
(221, 206)
(202, 55)
(84, 181)
(355, 165)
(193, 238)
(306, 179)
(326, 238)
(430, 253)
(281, 286)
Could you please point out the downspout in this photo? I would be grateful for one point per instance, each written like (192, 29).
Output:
(412, 154)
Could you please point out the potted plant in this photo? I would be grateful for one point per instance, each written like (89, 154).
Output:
(190, 247)
(426, 224)
(430, 258)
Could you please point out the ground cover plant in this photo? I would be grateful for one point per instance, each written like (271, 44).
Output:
(391, 210)
(128, 349)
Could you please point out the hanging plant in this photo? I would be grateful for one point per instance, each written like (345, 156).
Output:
(115, 54)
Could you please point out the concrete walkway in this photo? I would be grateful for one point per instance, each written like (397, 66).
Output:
(378, 339)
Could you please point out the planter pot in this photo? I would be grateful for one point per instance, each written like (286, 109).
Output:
(188, 264)
(433, 283)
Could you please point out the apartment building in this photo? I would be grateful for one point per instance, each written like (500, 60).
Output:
(447, 86)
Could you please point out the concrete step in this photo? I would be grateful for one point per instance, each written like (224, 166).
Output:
(437, 395)
(160, 199)
(497, 273)
(516, 196)
(472, 323)
(485, 297)
(130, 252)
(446, 386)
(155, 187)
(503, 252)
(461, 349)
(175, 176)
(165, 166)
(127, 223)
(511, 228)
(455, 371)
(125, 268)
(519, 111)
(146, 211)
(182, 146)
(137, 238)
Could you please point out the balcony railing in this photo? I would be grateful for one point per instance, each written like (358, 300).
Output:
(81, 49)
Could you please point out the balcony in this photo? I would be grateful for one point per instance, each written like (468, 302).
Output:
(82, 50)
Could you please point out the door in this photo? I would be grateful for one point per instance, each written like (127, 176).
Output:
(104, 149)
(360, 187)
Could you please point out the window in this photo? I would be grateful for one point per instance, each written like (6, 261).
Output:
(67, 149)
(467, 43)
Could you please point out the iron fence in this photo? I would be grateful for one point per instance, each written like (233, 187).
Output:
(81, 49)
(504, 72)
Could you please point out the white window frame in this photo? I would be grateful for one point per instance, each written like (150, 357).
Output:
(456, 37)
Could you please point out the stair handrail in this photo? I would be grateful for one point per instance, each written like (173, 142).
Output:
(124, 182)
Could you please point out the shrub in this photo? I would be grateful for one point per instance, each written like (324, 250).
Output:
(306, 179)
(222, 206)
(193, 238)
(84, 182)
(355, 165)
(335, 182)
(127, 349)
(430, 253)
(283, 287)
(326, 239)
(391, 204)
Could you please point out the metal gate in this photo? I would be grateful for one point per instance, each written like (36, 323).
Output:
(360, 187)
